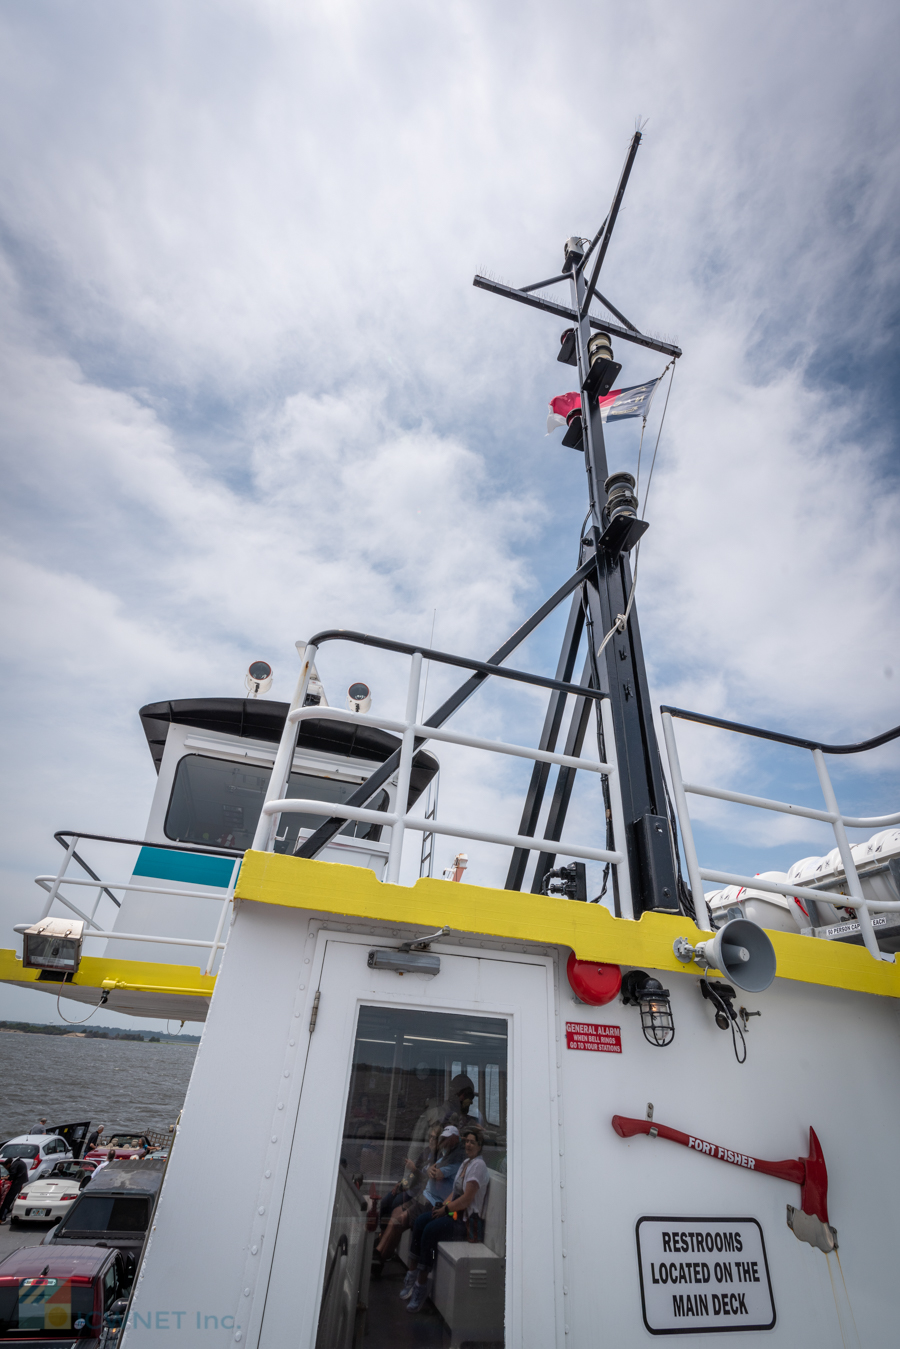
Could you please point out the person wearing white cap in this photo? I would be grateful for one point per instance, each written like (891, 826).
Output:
(450, 1220)
(440, 1184)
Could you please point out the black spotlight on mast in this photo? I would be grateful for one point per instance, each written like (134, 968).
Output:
(601, 601)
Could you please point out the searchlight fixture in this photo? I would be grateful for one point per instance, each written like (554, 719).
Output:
(640, 989)
(53, 944)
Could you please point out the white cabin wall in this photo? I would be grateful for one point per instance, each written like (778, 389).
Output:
(806, 1035)
(218, 1200)
(200, 1238)
(174, 749)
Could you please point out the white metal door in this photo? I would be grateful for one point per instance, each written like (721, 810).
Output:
(517, 988)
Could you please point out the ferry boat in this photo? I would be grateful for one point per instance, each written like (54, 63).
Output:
(465, 1115)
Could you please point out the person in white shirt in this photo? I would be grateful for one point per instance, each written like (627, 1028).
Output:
(457, 1218)
(110, 1157)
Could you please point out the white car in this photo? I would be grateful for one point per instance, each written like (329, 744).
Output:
(49, 1199)
(39, 1152)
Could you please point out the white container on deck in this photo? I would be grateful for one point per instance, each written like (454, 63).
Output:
(776, 912)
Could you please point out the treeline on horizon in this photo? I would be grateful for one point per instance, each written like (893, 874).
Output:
(97, 1032)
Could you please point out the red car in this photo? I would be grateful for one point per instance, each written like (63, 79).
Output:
(71, 1296)
(4, 1183)
(126, 1145)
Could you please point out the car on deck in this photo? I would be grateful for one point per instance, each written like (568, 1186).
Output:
(39, 1152)
(126, 1143)
(113, 1210)
(62, 1299)
(49, 1199)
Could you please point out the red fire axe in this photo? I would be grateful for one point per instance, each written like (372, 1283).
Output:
(809, 1222)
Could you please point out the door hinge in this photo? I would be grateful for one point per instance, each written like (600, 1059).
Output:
(315, 1011)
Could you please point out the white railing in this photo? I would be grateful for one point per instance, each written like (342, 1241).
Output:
(411, 730)
(53, 886)
(831, 815)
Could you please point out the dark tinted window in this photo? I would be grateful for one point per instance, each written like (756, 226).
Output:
(19, 1150)
(104, 1213)
(219, 802)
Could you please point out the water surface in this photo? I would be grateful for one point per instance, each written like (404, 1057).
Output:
(120, 1083)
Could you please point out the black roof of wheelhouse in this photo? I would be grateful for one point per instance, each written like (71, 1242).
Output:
(262, 719)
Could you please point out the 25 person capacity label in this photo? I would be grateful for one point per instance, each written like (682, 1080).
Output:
(703, 1274)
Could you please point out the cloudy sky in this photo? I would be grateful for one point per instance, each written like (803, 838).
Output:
(249, 390)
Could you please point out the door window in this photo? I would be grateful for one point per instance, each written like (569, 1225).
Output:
(417, 1245)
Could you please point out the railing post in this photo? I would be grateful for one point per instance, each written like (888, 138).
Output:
(853, 881)
(405, 769)
(226, 905)
(54, 888)
(266, 829)
(623, 873)
(684, 820)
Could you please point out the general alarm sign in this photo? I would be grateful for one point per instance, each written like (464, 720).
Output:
(585, 1035)
(703, 1275)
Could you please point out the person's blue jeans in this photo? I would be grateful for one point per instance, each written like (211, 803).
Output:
(428, 1231)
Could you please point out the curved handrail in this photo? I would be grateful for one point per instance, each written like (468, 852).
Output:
(445, 658)
(779, 736)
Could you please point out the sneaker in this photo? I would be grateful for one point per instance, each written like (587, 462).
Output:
(409, 1284)
(417, 1300)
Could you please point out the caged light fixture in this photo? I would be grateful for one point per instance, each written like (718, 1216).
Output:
(639, 989)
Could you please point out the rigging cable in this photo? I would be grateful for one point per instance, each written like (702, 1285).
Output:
(622, 619)
(75, 1023)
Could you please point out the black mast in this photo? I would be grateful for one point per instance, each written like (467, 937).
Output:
(600, 590)
(619, 670)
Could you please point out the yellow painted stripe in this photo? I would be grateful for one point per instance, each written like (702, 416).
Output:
(98, 972)
(589, 929)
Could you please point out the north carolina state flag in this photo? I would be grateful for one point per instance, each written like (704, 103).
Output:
(615, 406)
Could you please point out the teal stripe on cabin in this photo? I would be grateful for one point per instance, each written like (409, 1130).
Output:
(193, 868)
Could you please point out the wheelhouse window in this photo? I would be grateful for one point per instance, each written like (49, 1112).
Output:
(219, 802)
(417, 1246)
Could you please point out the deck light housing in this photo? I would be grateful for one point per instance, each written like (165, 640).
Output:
(53, 944)
(640, 989)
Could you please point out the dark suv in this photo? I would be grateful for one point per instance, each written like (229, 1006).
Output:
(113, 1209)
(70, 1298)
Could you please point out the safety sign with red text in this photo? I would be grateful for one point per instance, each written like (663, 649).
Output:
(602, 1039)
(703, 1274)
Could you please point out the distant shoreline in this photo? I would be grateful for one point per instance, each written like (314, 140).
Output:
(97, 1033)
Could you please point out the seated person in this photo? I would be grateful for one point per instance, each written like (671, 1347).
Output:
(435, 1172)
(457, 1218)
(413, 1181)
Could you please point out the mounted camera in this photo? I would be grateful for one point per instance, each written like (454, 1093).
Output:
(359, 697)
(258, 678)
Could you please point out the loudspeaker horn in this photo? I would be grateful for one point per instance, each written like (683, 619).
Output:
(743, 952)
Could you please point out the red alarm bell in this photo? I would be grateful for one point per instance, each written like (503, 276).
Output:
(594, 983)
